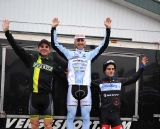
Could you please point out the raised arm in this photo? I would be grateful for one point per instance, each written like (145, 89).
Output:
(62, 51)
(24, 55)
(135, 77)
(102, 47)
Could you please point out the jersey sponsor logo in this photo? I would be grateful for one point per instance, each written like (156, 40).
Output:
(57, 124)
(43, 66)
(110, 95)
(83, 68)
(105, 95)
(84, 64)
(84, 55)
(75, 54)
(79, 68)
(114, 94)
(116, 101)
(79, 64)
(79, 61)
(110, 86)
(76, 67)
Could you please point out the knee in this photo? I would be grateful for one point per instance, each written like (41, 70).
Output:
(71, 111)
(71, 115)
(86, 112)
(86, 116)
(35, 126)
(48, 123)
(48, 126)
(34, 123)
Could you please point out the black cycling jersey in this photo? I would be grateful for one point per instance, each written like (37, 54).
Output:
(42, 70)
(110, 90)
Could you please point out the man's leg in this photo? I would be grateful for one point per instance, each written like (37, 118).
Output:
(70, 116)
(71, 108)
(86, 108)
(48, 123)
(104, 119)
(104, 126)
(85, 111)
(116, 124)
(34, 122)
(118, 127)
(48, 110)
(33, 111)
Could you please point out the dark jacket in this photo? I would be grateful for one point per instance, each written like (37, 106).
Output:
(42, 70)
(110, 90)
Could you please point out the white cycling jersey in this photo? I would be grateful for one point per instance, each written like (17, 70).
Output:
(79, 61)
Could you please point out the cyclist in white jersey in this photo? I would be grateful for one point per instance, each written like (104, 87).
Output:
(79, 72)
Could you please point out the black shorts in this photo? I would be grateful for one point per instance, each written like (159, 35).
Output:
(79, 92)
(110, 118)
(40, 104)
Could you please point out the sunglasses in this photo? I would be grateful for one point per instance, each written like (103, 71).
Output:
(78, 40)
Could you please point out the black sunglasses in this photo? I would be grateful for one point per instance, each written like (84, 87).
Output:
(78, 40)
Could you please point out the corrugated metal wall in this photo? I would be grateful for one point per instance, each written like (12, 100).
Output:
(79, 16)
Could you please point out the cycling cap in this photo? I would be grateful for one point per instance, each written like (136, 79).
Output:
(44, 41)
(105, 64)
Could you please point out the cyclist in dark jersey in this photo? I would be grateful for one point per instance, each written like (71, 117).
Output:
(43, 70)
(110, 88)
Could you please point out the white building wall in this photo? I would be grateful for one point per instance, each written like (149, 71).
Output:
(79, 16)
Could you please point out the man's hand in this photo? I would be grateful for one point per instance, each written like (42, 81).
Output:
(66, 72)
(5, 25)
(144, 60)
(55, 22)
(107, 22)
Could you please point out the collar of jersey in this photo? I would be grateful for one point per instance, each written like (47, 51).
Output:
(78, 50)
(108, 78)
(40, 56)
